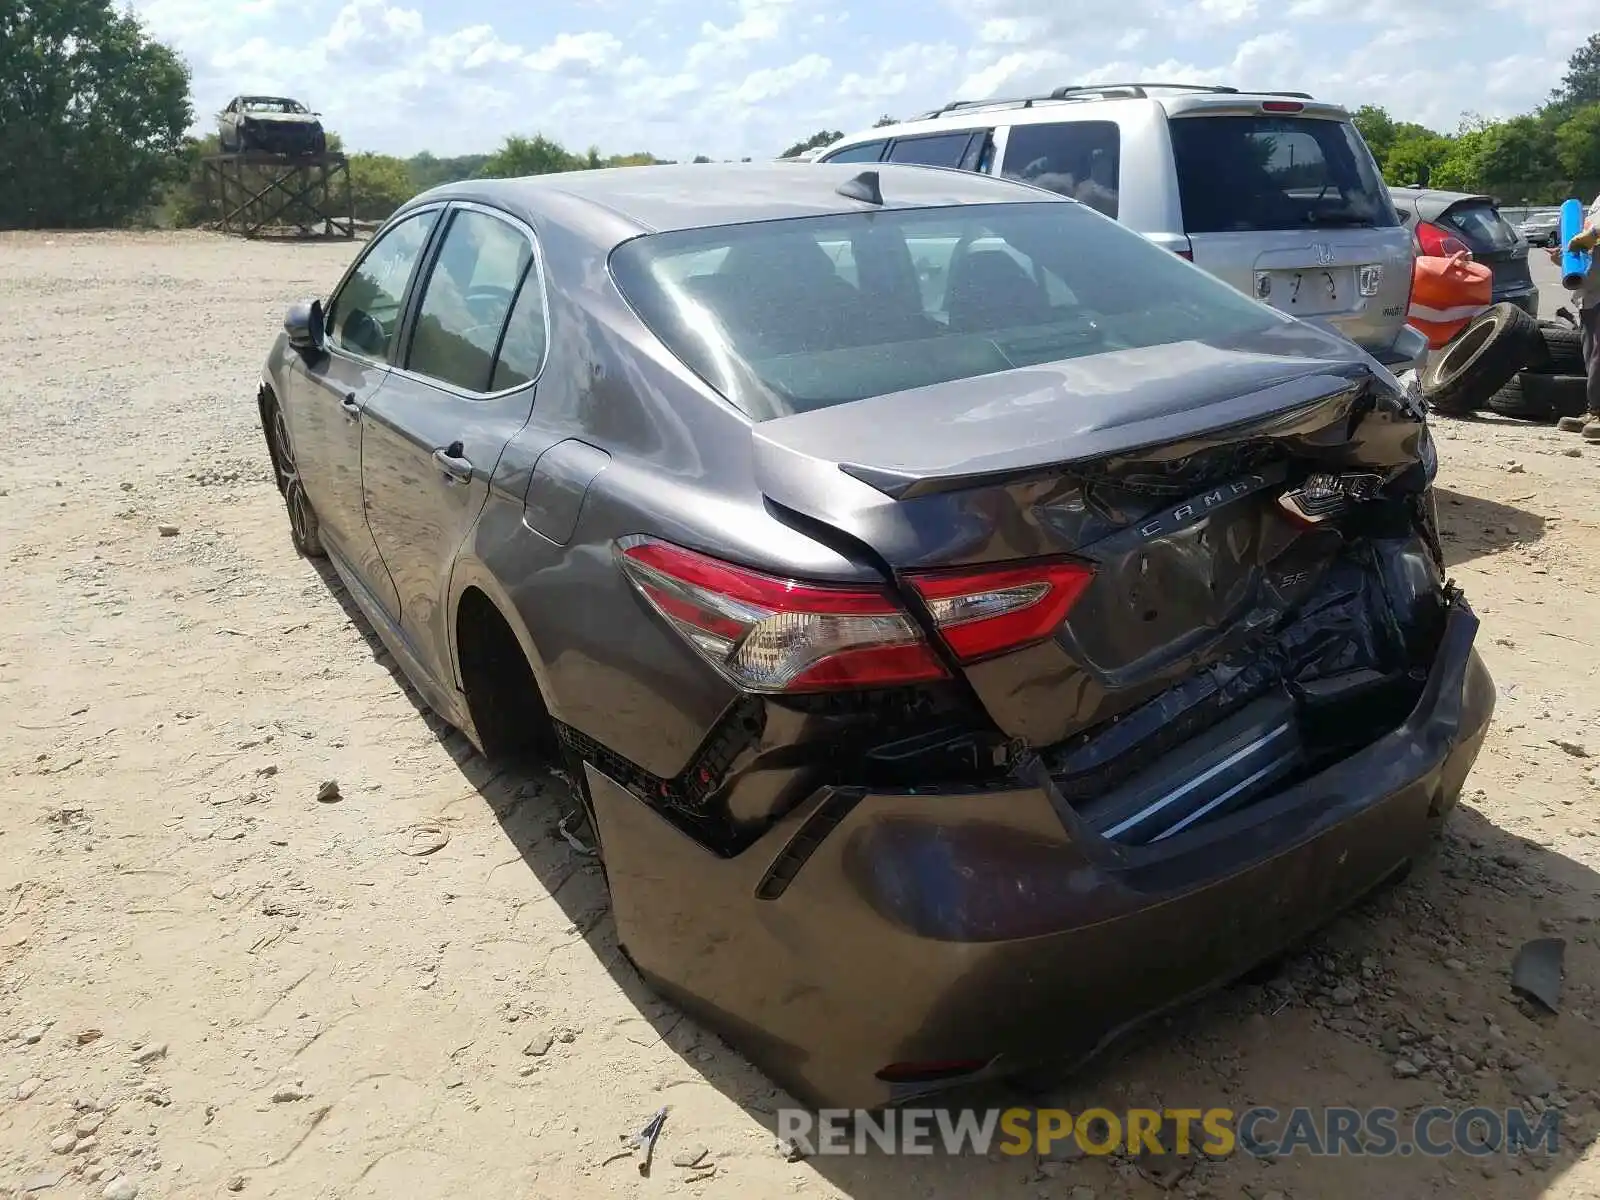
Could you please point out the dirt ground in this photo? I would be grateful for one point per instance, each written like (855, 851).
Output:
(211, 983)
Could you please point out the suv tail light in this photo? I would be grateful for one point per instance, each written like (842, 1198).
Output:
(1438, 242)
(1282, 106)
(765, 633)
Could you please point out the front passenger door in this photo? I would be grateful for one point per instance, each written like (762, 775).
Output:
(328, 394)
(434, 432)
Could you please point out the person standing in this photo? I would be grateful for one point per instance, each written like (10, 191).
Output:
(1588, 299)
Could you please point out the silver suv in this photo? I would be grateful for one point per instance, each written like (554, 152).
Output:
(1273, 192)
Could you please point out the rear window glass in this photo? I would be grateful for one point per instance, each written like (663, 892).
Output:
(1237, 174)
(866, 152)
(788, 316)
(1076, 158)
(940, 150)
(1483, 226)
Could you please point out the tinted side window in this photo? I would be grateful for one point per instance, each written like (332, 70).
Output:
(940, 150)
(522, 349)
(1077, 159)
(866, 152)
(363, 316)
(468, 297)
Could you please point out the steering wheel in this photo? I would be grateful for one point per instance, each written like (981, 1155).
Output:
(488, 301)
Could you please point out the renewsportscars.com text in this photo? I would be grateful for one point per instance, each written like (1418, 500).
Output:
(1216, 1132)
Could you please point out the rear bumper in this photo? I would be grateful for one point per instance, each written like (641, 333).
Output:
(993, 926)
(1408, 353)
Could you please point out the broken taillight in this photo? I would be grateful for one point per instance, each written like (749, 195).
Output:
(986, 612)
(770, 634)
(767, 633)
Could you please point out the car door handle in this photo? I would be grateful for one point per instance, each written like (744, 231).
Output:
(452, 461)
(350, 407)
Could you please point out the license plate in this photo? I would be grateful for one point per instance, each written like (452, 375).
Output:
(1312, 292)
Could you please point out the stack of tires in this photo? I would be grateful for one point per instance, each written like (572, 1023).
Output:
(1508, 363)
(1552, 385)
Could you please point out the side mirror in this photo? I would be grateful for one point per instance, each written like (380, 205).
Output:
(303, 325)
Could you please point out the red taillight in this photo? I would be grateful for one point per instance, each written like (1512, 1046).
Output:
(769, 634)
(984, 612)
(1282, 106)
(766, 633)
(1438, 242)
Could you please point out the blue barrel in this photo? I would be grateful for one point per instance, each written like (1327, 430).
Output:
(1573, 266)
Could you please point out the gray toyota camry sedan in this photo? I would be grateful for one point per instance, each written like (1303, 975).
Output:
(970, 628)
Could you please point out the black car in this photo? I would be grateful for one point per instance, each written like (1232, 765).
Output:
(1445, 223)
(955, 667)
(270, 125)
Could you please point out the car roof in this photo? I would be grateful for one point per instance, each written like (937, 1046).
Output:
(628, 201)
(1441, 198)
(1087, 104)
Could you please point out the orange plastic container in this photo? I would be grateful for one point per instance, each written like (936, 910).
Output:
(1446, 293)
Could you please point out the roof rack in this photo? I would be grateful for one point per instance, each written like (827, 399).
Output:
(1131, 91)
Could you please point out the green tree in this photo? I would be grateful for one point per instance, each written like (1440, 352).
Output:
(1461, 169)
(1415, 159)
(1377, 129)
(886, 119)
(427, 170)
(379, 184)
(537, 155)
(823, 137)
(1581, 84)
(1578, 144)
(1516, 152)
(92, 114)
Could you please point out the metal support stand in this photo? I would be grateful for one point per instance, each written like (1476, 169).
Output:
(263, 195)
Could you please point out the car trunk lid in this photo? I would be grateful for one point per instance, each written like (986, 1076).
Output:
(1162, 470)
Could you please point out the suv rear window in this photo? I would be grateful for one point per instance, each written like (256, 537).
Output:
(1238, 174)
(791, 315)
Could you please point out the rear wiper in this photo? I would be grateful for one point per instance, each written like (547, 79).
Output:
(1351, 219)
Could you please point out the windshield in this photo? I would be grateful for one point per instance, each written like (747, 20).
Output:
(792, 315)
(272, 104)
(1242, 174)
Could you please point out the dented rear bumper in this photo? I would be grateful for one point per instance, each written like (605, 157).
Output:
(992, 926)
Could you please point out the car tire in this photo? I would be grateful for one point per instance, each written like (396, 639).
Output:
(1542, 396)
(1480, 360)
(1562, 352)
(305, 531)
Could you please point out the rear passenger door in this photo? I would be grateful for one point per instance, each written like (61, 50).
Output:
(475, 342)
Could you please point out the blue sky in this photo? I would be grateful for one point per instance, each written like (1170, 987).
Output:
(730, 78)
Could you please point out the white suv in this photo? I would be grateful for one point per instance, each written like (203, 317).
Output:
(1274, 192)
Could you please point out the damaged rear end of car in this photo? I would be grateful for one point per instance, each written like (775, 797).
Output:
(1152, 665)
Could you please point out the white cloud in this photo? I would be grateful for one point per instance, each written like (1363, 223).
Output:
(577, 54)
(731, 78)
(758, 22)
(776, 82)
(373, 32)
